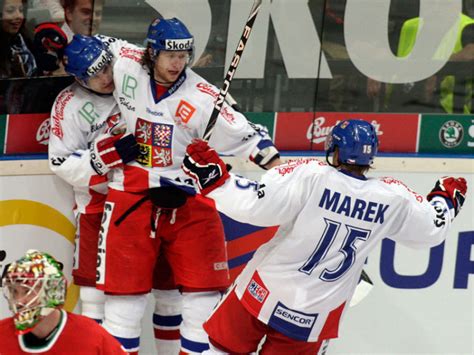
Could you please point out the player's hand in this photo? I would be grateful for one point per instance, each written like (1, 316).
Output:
(203, 164)
(109, 152)
(49, 43)
(452, 189)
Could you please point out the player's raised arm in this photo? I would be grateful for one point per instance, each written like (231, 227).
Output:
(240, 198)
(442, 205)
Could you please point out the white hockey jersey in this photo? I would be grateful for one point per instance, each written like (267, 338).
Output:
(301, 281)
(164, 127)
(78, 117)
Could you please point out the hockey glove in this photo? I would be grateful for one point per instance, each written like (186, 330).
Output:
(452, 189)
(49, 43)
(203, 164)
(108, 152)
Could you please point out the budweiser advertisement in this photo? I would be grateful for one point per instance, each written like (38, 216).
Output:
(308, 130)
(27, 133)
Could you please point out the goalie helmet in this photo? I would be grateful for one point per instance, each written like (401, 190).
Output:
(34, 286)
(357, 142)
(169, 35)
(86, 56)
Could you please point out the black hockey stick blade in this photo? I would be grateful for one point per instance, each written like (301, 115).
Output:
(232, 69)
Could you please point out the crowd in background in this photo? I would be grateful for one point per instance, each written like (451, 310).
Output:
(22, 55)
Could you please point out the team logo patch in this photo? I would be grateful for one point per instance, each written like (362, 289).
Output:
(185, 111)
(258, 292)
(292, 323)
(207, 89)
(451, 134)
(154, 140)
(144, 156)
(227, 115)
(221, 266)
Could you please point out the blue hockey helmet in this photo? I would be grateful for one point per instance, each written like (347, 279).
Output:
(86, 56)
(357, 142)
(169, 35)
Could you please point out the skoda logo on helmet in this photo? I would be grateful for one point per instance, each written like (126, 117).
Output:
(99, 63)
(179, 44)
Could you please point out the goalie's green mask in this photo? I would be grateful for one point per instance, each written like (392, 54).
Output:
(34, 286)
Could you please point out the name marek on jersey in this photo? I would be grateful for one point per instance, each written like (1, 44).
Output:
(360, 209)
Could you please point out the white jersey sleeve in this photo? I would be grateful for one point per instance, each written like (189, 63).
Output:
(115, 45)
(275, 200)
(69, 156)
(78, 117)
(419, 217)
(233, 134)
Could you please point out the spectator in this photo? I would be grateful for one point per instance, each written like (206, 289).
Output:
(35, 288)
(16, 58)
(82, 17)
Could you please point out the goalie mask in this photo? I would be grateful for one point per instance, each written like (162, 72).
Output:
(34, 286)
(169, 35)
(356, 141)
(85, 57)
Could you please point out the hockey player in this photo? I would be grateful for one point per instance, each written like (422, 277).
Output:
(297, 287)
(166, 105)
(85, 123)
(35, 289)
(91, 105)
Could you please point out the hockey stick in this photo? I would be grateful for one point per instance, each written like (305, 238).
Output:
(363, 288)
(232, 68)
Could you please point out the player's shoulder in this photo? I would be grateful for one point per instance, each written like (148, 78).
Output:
(7, 325)
(107, 40)
(129, 59)
(83, 323)
(397, 187)
(199, 87)
(131, 54)
(92, 331)
(302, 166)
(66, 99)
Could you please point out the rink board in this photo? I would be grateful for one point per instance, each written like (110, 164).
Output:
(423, 301)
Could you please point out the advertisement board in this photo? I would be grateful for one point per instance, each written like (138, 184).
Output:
(447, 134)
(422, 301)
(308, 130)
(26, 133)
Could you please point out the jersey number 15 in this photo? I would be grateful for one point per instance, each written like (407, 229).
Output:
(348, 250)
